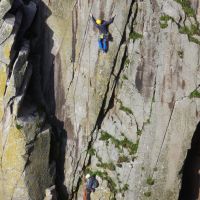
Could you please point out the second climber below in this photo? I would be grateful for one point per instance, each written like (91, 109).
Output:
(104, 35)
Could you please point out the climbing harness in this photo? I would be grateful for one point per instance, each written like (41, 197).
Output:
(101, 36)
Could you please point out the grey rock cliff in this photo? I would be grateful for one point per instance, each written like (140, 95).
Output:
(130, 116)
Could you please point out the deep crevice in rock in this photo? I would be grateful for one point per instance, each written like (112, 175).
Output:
(40, 92)
(191, 170)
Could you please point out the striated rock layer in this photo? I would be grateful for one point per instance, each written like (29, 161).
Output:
(128, 116)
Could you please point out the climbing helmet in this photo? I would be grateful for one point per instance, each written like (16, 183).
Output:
(98, 21)
(87, 176)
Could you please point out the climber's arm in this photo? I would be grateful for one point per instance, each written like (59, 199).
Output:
(93, 19)
(110, 21)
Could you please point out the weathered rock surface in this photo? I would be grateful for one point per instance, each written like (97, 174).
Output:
(129, 115)
(24, 133)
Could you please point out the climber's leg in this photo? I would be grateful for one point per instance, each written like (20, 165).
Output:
(88, 194)
(100, 44)
(105, 45)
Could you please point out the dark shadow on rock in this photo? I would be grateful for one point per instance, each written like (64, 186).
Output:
(41, 87)
(191, 170)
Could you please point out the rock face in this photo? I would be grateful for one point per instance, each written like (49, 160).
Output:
(128, 116)
(24, 133)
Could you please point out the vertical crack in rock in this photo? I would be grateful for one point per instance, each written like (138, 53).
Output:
(74, 32)
(165, 133)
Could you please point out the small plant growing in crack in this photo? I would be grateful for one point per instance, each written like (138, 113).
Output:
(110, 166)
(139, 132)
(120, 144)
(127, 110)
(122, 159)
(150, 181)
(134, 36)
(124, 189)
(19, 127)
(147, 122)
(195, 94)
(193, 29)
(190, 30)
(91, 151)
(189, 11)
(164, 21)
(147, 194)
(124, 77)
(127, 62)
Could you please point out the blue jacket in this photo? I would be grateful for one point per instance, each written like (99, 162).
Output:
(90, 184)
(103, 28)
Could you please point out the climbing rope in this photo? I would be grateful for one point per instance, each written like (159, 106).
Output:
(80, 56)
(84, 189)
(117, 28)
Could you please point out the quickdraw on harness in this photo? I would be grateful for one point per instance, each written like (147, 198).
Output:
(104, 36)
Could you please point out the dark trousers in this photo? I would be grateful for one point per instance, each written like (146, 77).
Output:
(88, 194)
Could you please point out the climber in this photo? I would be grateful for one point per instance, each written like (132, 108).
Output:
(91, 184)
(104, 35)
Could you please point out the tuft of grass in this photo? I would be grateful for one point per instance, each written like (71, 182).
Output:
(122, 159)
(134, 36)
(163, 26)
(195, 94)
(195, 40)
(147, 194)
(121, 144)
(19, 127)
(139, 132)
(165, 18)
(124, 77)
(127, 110)
(105, 136)
(127, 62)
(150, 181)
(189, 11)
(194, 28)
(125, 187)
(130, 146)
(147, 122)
(164, 21)
(110, 166)
(92, 151)
(190, 30)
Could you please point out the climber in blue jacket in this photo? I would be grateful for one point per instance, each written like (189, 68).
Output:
(91, 184)
(104, 35)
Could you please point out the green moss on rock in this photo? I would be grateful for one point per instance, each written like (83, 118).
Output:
(195, 94)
